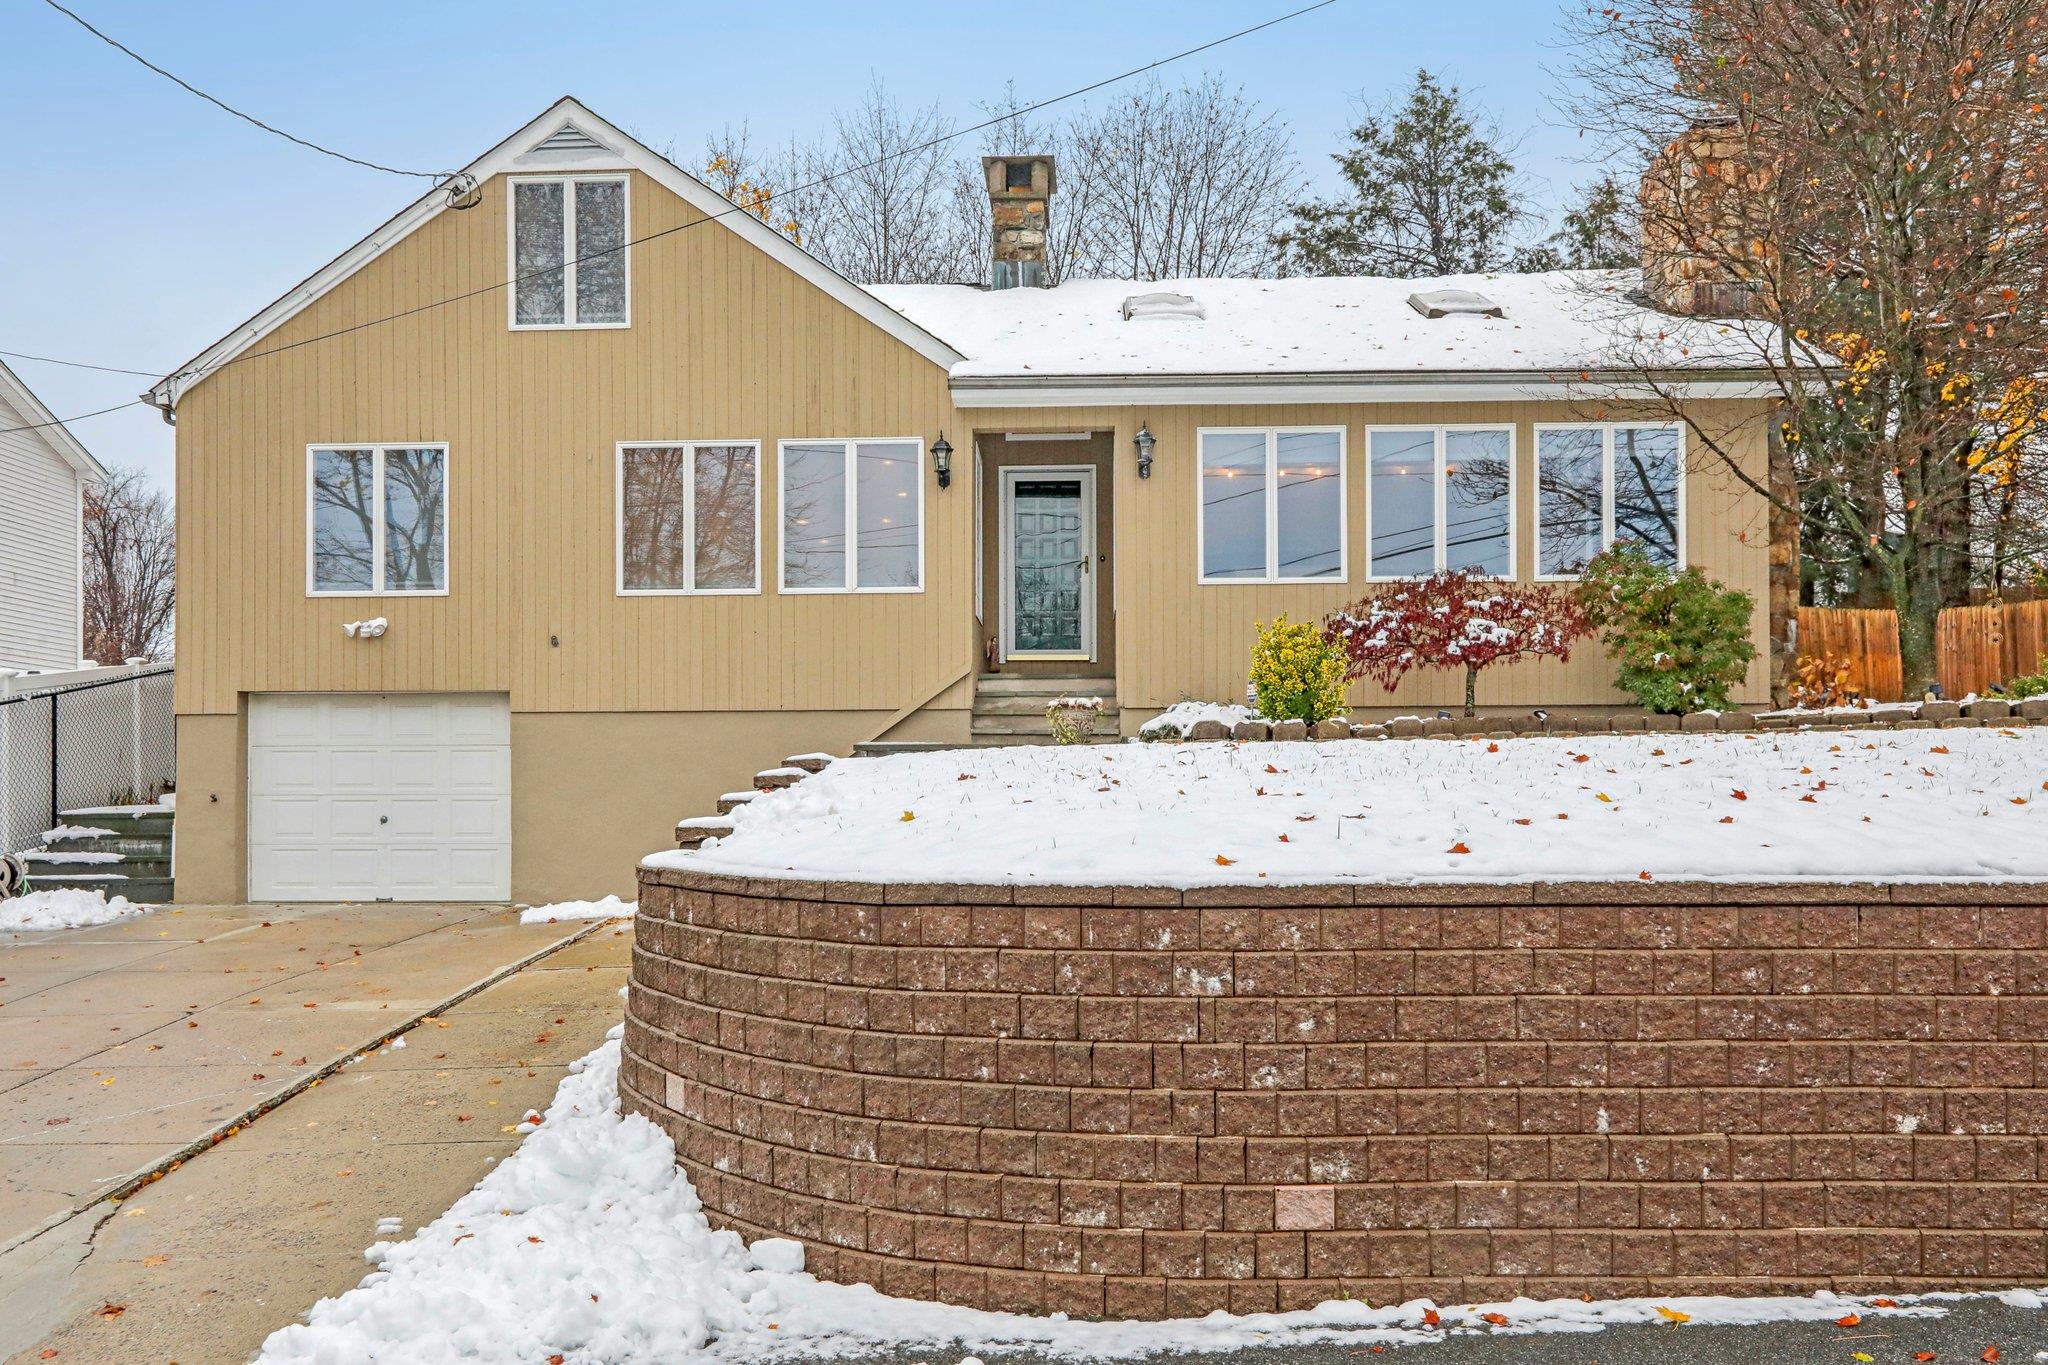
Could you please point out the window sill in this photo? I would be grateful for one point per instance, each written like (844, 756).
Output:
(849, 592)
(687, 592)
(571, 326)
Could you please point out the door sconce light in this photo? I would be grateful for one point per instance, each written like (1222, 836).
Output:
(1146, 440)
(942, 461)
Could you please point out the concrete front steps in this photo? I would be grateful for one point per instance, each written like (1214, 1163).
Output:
(698, 828)
(1011, 710)
(132, 859)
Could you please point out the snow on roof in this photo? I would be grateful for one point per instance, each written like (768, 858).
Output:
(1556, 322)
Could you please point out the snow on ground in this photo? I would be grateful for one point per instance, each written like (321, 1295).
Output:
(588, 1243)
(611, 907)
(1897, 805)
(1176, 720)
(65, 910)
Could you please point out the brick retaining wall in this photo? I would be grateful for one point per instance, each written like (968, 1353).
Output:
(1139, 1103)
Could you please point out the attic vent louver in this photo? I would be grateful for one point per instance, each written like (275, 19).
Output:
(1139, 307)
(1444, 303)
(569, 138)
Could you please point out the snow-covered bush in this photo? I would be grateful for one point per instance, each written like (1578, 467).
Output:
(1679, 638)
(1454, 619)
(1297, 674)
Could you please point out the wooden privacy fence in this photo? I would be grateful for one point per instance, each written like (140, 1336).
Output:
(1974, 646)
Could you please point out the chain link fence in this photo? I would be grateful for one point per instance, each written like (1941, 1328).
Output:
(107, 742)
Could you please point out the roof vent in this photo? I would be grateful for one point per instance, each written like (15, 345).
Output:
(569, 138)
(1445, 303)
(1162, 305)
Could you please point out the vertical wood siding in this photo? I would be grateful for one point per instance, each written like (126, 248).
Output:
(727, 344)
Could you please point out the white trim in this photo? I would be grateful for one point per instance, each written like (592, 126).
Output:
(1273, 574)
(42, 422)
(619, 588)
(850, 449)
(78, 527)
(1440, 497)
(517, 153)
(1113, 391)
(980, 542)
(1011, 476)
(1606, 430)
(377, 450)
(570, 322)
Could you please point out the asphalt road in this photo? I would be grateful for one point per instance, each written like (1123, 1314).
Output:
(1960, 1338)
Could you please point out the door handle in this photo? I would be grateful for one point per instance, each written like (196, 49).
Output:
(383, 819)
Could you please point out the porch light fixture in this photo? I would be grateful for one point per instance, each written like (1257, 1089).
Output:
(942, 461)
(1146, 440)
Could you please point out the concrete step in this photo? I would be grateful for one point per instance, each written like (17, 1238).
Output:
(694, 831)
(1030, 724)
(1014, 741)
(810, 763)
(732, 801)
(150, 890)
(881, 748)
(43, 868)
(775, 779)
(1005, 684)
(134, 821)
(1021, 704)
(128, 846)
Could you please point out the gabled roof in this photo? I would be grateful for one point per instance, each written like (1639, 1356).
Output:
(54, 433)
(566, 137)
(1346, 339)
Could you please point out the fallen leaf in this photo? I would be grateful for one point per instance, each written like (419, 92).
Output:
(908, 816)
(1602, 796)
(345, 1172)
(463, 1238)
(1430, 1317)
(1990, 1354)
(111, 1310)
(1582, 758)
(1271, 769)
(1672, 1314)
(533, 1239)
(1726, 820)
(1644, 877)
(1493, 748)
(1923, 1355)
(1285, 840)
(1938, 749)
(1848, 1320)
(1497, 1319)
(154, 1261)
(1458, 847)
(1222, 861)
(1521, 822)
(1739, 794)
(1884, 1303)
(1861, 1355)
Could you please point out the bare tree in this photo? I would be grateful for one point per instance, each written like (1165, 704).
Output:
(1185, 181)
(752, 179)
(1600, 232)
(1869, 177)
(130, 569)
(1432, 192)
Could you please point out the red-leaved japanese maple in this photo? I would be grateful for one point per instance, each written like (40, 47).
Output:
(1454, 619)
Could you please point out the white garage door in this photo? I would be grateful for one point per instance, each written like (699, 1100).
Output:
(403, 797)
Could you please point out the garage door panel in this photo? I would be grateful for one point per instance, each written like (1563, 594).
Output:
(396, 797)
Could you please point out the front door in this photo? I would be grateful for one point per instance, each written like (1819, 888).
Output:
(1049, 563)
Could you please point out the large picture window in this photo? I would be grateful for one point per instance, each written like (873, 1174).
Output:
(1272, 505)
(689, 517)
(569, 252)
(1440, 498)
(1602, 483)
(852, 516)
(377, 520)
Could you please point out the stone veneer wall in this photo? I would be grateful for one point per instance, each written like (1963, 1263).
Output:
(1144, 1102)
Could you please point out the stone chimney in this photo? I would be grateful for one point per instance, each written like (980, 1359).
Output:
(1018, 190)
(1704, 211)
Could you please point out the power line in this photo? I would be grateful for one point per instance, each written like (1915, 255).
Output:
(80, 364)
(481, 290)
(61, 421)
(218, 103)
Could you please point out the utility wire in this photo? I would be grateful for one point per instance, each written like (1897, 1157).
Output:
(1004, 117)
(181, 82)
(80, 364)
(60, 421)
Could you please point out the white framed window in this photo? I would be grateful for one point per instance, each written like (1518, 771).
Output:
(1440, 497)
(1270, 505)
(689, 517)
(852, 515)
(1597, 483)
(377, 520)
(569, 257)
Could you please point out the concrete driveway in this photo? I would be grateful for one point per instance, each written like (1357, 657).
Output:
(127, 1047)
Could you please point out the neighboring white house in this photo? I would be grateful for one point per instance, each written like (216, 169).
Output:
(44, 473)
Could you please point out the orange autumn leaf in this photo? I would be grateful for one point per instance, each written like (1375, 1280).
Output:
(1497, 1319)
(1521, 822)
(1739, 794)
(1493, 748)
(1458, 847)
(1727, 820)
(1430, 1317)
(1644, 877)
(1938, 749)
(1285, 840)
(1848, 1320)
(1923, 1355)
(1271, 769)
(1884, 1303)
(1990, 1355)
(1222, 861)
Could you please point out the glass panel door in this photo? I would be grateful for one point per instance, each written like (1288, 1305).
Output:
(1049, 575)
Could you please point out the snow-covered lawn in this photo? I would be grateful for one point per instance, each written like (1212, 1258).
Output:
(65, 910)
(588, 1244)
(611, 907)
(1894, 805)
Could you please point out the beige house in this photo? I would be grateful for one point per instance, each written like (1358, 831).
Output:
(561, 504)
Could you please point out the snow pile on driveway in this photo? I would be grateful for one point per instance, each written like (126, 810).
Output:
(1883, 805)
(589, 1244)
(611, 907)
(65, 910)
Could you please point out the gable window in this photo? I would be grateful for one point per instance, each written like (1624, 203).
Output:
(1597, 484)
(569, 252)
(1440, 498)
(689, 517)
(378, 520)
(1272, 505)
(852, 516)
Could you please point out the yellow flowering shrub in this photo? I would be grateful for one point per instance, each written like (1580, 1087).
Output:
(1296, 673)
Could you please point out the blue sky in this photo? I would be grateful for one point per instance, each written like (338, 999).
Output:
(140, 224)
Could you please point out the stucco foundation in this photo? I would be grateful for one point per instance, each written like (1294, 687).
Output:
(1135, 1102)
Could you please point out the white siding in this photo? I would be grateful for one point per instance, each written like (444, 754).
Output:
(39, 625)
